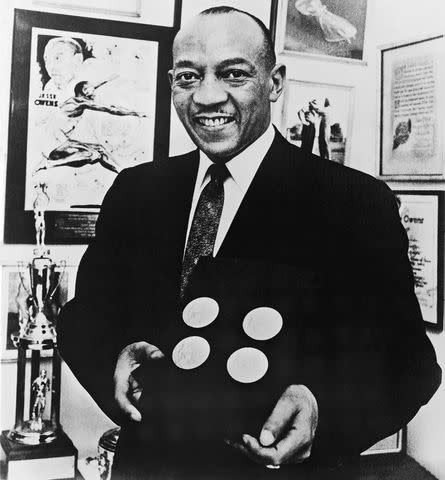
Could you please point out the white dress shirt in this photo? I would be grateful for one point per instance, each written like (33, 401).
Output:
(242, 169)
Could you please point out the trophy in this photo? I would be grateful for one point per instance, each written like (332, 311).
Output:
(37, 433)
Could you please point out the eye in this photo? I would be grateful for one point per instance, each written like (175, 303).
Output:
(234, 75)
(186, 77)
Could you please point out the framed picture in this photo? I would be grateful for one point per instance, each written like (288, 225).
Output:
(15, 289)
(130, 8)
(324, 29)
(411, 98)
(83, 107)
(318, 117)
(421, 213)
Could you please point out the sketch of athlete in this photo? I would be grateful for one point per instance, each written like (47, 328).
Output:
(73, 153)
(84, 99)
(40, 387)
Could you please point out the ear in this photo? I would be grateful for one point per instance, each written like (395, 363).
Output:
(170, 76)
(277, 79)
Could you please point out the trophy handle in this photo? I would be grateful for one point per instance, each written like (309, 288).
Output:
(61, 276)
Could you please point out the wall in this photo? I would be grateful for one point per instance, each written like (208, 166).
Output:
(389, 21)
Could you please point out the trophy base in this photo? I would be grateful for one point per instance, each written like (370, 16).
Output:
(32, 434)
(56, 460)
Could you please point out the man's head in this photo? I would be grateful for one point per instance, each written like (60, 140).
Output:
(63, 57)
(84, 89)
(223, 80)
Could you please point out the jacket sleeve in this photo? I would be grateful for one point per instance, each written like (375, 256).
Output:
(383, 367)
(91, 327)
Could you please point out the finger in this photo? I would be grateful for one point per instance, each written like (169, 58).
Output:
(296, 445)
(246, 451)
(281, 417)
(124, 403)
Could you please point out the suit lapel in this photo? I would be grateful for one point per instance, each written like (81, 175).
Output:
(266, 205)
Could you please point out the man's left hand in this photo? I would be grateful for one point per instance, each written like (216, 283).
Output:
(288, 433)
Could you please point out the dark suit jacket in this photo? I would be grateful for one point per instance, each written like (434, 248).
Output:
(367, 359)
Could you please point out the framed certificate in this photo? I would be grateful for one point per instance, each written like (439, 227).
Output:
(411, 118)
(421, 213)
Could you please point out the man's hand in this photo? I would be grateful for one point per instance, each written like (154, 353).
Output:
(288, 433)
(127, 384)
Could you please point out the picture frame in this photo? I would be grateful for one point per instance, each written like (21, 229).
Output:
(421, 213)
(14, 291)
(128, 8)
(323, 29)
(411, 102)
(332, 114)
(72, 144)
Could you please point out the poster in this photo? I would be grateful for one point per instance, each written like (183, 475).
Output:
(91, 104)
(89, 98)
(317, 118)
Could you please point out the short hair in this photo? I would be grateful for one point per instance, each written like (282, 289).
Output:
(68, 41)
(78, 89)
(269, 52)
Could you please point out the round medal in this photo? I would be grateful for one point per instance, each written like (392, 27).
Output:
(247, 365)
(262, 323)
(200, 312)
(191, 352)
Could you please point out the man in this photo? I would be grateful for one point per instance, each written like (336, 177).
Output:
(365, 364)
(63, 59)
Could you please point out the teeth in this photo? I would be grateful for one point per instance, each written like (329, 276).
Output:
(213, 122)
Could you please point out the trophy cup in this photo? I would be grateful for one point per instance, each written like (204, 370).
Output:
(37, 439)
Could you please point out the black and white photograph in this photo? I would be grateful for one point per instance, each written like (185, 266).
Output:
(318, 118)
(328, 29)
(222, 250)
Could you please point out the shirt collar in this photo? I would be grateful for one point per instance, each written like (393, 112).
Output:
(243, 167)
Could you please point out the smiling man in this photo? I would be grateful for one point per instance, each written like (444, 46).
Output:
(360, 362)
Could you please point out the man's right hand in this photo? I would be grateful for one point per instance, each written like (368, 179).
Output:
(127, 385)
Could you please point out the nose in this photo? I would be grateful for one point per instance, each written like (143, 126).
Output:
(210, 91)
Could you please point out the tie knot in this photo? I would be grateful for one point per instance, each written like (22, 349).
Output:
(218, 172)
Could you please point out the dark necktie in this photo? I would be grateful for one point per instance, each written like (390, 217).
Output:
(204, 227)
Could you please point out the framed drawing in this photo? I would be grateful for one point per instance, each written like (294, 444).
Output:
(15, 289)
(421, 213)
(83, 107)
(324, 29)
(318, 118)
(129, 8)
(411, 115)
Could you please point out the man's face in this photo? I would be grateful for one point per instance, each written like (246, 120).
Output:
(61, 63)
(220, 84)
(88, 91)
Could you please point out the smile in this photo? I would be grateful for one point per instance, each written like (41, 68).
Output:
(214, 121)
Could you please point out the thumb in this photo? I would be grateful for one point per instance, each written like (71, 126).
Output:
(282, 415)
